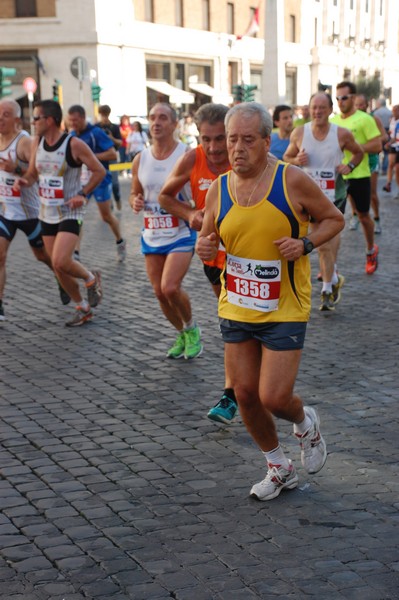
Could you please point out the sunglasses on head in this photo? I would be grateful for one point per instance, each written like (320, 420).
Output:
(345, 97)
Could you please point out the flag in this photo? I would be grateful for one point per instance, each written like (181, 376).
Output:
(253, 26)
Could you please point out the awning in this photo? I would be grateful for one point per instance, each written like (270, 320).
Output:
(176, 95)
(203, 88)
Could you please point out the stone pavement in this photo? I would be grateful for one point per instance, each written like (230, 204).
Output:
(115, 485)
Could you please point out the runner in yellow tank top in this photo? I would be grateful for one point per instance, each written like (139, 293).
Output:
(261, 211)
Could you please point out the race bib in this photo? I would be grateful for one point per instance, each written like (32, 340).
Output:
(325, 179)
(160, 222)
(51, 190)
(253, 284)
(7, 193)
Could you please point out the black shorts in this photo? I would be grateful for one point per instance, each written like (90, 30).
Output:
(213, 274)
(360, 191)
(274, 336)
(30, 227)
(69, 226)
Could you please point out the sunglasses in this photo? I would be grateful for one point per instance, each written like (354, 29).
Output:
(346, 97)
(39, 117)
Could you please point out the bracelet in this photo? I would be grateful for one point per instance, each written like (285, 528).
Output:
(351, 166)
(18, 170)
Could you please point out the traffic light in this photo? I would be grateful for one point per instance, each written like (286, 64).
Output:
(5, 84)
(95, 92)
(238, 93)
(249, 95)
(56, 90)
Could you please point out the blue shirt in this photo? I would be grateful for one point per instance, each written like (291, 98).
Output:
(278, 146)
(98, 141)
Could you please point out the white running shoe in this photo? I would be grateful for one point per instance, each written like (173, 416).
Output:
(313, 446)
(276, 480)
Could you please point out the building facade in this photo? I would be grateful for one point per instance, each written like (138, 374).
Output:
(194, 51)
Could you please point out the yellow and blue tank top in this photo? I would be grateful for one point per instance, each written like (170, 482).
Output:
(258, 284)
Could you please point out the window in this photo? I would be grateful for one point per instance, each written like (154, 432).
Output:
(25, 8)
(351, 4)
(206, 20)
(179, 13)
(381, 6)
(315, 32)
(367, 6)
(292, 36)
(335, 3)
(230, 17)
(149, 10)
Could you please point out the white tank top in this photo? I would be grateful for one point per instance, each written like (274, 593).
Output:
(324, 157)
(17, 205)
(161, 228)
(58, 181)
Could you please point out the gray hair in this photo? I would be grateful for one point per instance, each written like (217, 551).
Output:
(15, 107)
(210, 113)
(250, 109)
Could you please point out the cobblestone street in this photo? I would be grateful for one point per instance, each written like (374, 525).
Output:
(115, 485)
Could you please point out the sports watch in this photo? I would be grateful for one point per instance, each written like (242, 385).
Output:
(307, 245)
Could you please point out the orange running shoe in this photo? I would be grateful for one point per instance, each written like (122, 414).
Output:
(372, 261)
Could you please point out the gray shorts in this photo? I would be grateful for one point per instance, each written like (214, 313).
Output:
(274, 336)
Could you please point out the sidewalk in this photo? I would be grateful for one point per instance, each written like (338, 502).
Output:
(115, 485)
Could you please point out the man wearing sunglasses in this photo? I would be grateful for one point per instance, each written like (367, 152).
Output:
(368, 136)
(56, 163)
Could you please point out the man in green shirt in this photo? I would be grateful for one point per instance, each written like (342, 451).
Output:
(367, 135)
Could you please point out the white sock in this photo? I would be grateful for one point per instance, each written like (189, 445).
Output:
(335, 279)
(277, 457)
(84, 305)
(327, 287)
(302, 427)
(189, 324)
(90, 278)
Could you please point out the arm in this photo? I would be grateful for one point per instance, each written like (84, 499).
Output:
(348, 142)
(294, 154)
(81, 153)
(31, 175)
(309, 200)
(109, 154)
(136, 198)
(373, 146)
(174, 183)
(208, 240)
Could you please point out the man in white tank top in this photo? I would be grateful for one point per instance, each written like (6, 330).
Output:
(56, 162)
(318, 147)
(19, 210)
(167, 241)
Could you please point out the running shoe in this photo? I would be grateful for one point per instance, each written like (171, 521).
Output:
(76, 255)
(277, 479)
(80, 318)
(354, 223)
(387, 187)
(121, 251)
(2, 315)
(224, 411)
(118, 204)
(319, 277)
(377, 226)
(313, 446)
(336, 289)
(65, 298)
(327, 302)
(192, 341)
(177, 350)
(94, 290)
(372, 261)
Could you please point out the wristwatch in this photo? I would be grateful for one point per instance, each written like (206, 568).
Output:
(351, 166)
(81, 193)
(307, 245)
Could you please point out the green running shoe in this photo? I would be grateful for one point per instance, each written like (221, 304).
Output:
(224, 411)
(177, 350)
(193, 346)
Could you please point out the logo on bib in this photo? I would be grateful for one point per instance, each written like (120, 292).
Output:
(264, 272)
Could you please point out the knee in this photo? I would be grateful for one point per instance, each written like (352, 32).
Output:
(247, 398)
(60, 264)
(169, 290)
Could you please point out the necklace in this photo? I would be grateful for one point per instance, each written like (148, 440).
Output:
(253, 189)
